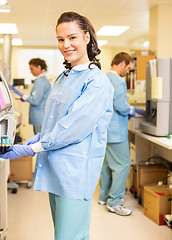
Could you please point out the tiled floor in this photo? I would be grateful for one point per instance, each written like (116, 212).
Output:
(29, 219)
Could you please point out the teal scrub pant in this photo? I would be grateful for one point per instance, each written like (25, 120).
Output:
(71, 218)
(114, 173)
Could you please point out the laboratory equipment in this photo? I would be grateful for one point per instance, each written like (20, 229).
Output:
(158, 97)
(18, 82)
(168, 220)
(7, 131)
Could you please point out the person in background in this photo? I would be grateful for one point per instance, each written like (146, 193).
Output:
(38, 95)
(117, 158)
(74, 131)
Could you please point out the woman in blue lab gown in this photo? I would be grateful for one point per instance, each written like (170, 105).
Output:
(74, 131)
(38, 95)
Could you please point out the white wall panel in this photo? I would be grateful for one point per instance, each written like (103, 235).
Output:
(53, 58)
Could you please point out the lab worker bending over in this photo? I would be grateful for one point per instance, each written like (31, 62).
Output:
(117, 158)
(73, 138)
(38, 95)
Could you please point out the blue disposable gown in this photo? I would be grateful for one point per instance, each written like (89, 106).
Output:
(37, 99)
(74, 133)
(118, 127)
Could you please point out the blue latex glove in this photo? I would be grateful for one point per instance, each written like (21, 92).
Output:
(140, 111)
(17, 151)
(132, 113)
(16, 91)
(22, 99)
(33, 139)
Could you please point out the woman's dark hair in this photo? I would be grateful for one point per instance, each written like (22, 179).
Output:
(120, 57)
(38, 61)
(85, 26)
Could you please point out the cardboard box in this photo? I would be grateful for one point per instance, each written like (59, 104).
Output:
(21, 169)
(148, 175)
(157, 203)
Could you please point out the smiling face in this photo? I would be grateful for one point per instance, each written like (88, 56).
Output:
(72, 43)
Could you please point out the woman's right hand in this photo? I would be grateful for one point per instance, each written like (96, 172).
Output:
(15, 90)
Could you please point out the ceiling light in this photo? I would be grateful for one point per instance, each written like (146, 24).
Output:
(112, 30)
(101, 42)
(8, 28)
(3, 2)
(17, 42)
(146, 44)
(5, 8)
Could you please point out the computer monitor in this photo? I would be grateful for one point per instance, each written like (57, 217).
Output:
(18, 82)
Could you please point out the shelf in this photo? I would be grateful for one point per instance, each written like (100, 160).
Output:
(132, 69)
(138, 71)
(161, 141)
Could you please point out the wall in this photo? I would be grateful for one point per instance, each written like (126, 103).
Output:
(106, 56)
(22, 55)
(153, 33)
(165, 31)
(160, 31)
(117, 50)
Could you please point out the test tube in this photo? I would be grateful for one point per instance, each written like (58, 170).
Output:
(10, 142)
(7, 144)
(3, 145)
(0, 146)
